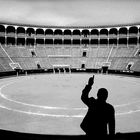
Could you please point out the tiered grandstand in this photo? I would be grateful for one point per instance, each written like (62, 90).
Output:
(29, 47)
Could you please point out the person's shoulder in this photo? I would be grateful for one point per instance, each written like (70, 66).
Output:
(110, 107)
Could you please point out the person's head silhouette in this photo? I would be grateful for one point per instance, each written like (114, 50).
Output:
(102, 94)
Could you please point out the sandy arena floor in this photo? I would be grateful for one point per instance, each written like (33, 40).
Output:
(51, 104)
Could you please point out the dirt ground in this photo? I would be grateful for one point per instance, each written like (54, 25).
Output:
(51, 104)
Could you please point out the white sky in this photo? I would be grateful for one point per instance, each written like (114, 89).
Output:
(70, 12)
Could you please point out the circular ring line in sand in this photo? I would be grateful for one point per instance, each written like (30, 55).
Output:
(53, 108)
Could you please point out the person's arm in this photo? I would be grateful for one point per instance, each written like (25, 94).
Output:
(86, 90)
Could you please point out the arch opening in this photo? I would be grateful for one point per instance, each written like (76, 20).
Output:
(30, 32)
(104, 32)
(49, 32)
(123, 31)
(133, 41)
(67, 41)
(94, 41)
(11, 41)
(67, 32)
(10, 29)
(58, 32)
(2, 40)
(40, 41)
(49, 41)
(85, 32)
(133, 30)
(20, 30)
(30, 41)
(39, 32)
(76, 42)
(103, 41)
(84, 54)
(85, 41)
(76, 32)
(113, 31)
(2, 28)
(94, 32)
(21, 41)
(122, 41)
(58, 41)
(113, 41)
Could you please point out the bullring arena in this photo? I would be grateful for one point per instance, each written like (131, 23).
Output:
(44, 68)
(51, 104)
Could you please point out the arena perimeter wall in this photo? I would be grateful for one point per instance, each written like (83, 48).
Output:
(5, 134)
(38, 71)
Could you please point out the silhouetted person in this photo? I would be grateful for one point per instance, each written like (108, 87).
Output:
(33, 53)
(100, 118)
(38, 66)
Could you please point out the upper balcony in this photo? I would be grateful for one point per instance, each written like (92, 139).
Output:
(133, 31)
(69, 33)
(113, 32)
(49, 33)
(30, 32)
(123, 32)
(76, 34)
(21, 32)
(85, 33)
(11, 31)
(58, 34)
(40, 33)
(103, 33)
(2, 30)
(94, 34)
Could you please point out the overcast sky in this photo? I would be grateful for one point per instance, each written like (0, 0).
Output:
(70, 12)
